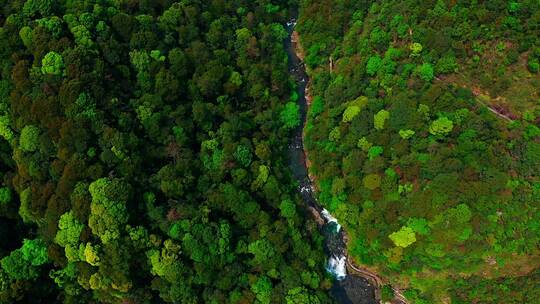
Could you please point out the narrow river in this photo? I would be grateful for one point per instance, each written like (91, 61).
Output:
(348, 289)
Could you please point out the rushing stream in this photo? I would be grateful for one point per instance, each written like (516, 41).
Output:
(349, 289)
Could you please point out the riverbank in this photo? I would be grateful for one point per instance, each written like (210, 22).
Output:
(375, 281)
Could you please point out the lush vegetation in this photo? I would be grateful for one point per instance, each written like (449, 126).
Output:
(425, 141)
(143, 149)
(143, 155)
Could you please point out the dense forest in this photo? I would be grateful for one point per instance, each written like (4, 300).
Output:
(142, 155)
(424, 139)
(143, 149)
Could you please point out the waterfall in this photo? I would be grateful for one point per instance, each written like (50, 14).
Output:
(330, 219)
(337, 266)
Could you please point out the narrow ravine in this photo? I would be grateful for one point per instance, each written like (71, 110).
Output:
(348, 288)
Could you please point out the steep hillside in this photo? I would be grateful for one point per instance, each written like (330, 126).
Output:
(423, 136)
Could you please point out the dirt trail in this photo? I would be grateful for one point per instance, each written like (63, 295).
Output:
(477, 92)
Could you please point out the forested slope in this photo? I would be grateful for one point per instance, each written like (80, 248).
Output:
(423, 137)
(143, 155)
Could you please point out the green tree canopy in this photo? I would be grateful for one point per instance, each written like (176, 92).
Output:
(426, 72)
(108, 213)
(26, 36)
(300, 295)
(406, 134)
(52, 63)
(404, 237)
(263, 290)
(350, 113)
(416, 48)
(29, 139)
(288, 208)
(372, 181)
(290, 115)
(69, 230)
(243, 155)
(374, 64)
(441, 127)
(22, 263)
(374, 152)
(380, 118)
(5, 195)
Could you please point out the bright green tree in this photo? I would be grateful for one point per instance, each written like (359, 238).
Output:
(426, 72)
(533, 65)
(108, 213)
(406, 134)
(5, 129)
(335, 135)
(290, 115)
(404, 237)
(380, 118)
(374, 64)
(69, 230)
(364, 144)
(82, 36)
(17, 267)
(35, 251)
(26, 36)
(350, 113)
(52, 63)
(419, 225)
(441, 127)
(416, 48)
(374, 152)
(22, 263)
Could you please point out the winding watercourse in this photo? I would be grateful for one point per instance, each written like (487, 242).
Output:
(348, 289)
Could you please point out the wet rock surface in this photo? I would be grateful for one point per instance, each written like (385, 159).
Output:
(353, 290)
(349, 289)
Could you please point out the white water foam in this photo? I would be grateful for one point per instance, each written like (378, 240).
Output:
(329, 218)
(306, 189)
(292, 22)
(337, 266)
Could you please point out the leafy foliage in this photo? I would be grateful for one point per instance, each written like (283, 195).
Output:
(452, 90)
(350, 113)
(142, 145)
(404, 237)
(52, 63)
(290, 115)
(380, 118)
(441, 126)
(29, 138)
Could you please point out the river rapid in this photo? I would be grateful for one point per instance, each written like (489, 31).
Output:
(347, 289)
